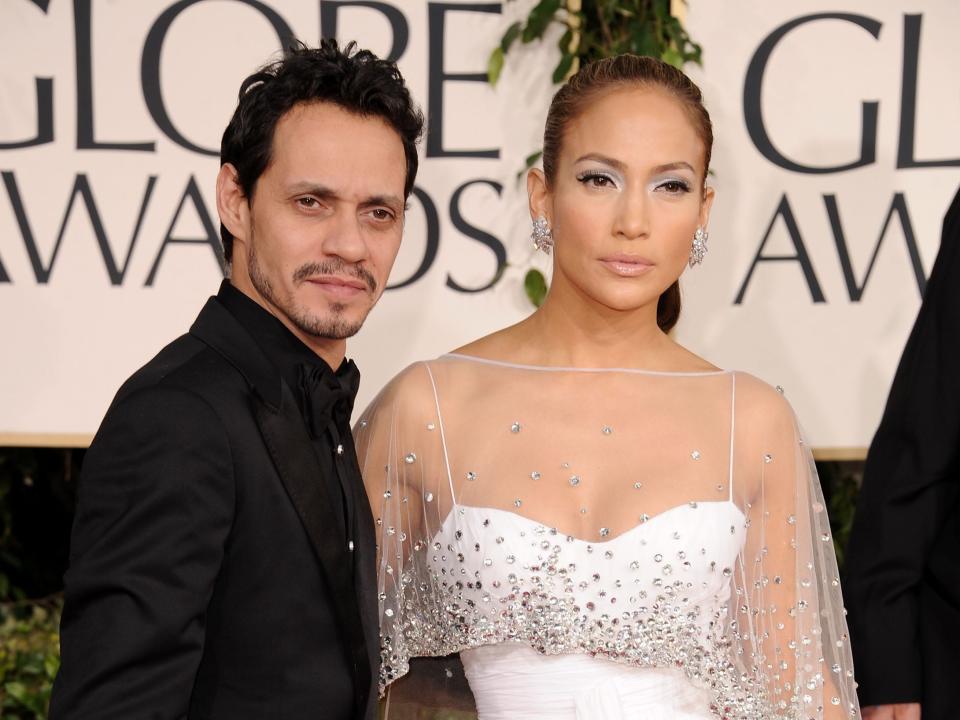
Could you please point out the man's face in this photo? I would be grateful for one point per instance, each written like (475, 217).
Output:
(324, 223)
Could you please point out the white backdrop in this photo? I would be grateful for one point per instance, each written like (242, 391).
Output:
(91, 289)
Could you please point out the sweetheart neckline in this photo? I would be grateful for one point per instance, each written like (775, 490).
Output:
(629, 531)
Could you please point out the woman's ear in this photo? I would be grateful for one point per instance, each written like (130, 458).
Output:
(705, 204)
(537, 194)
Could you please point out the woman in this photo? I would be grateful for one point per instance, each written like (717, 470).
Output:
(601, 523)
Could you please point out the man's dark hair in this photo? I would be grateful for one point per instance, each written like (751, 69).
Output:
(355, 80)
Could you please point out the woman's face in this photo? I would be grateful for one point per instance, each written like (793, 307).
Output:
(626, 200)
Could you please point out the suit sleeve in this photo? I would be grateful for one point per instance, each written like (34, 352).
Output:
(909, 483)
(155, 503)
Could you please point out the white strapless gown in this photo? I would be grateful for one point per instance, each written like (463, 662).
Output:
(511, 680)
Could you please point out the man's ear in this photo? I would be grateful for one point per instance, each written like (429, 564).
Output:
(537, 195)
(232, 204)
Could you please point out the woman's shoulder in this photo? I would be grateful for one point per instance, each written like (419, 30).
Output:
(760, 401)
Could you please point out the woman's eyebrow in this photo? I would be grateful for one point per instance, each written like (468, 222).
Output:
(597, 157)
(621, 166)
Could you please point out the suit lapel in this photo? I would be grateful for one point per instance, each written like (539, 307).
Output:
(291, 450)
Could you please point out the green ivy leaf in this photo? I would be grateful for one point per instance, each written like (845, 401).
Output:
(51, 664)
(539, 19)
(530, 161)
(672, 56)
(512, 33)
(563, 67)
(16, 689)
(495, 66)
(535, 285)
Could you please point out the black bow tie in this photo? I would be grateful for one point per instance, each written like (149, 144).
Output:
(326, 395)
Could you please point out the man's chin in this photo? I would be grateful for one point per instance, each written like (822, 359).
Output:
(331, 325)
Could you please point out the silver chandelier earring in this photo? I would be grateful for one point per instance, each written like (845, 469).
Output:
(542, 236)
(699, 247)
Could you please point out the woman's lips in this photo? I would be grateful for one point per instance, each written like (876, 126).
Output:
(626, 265)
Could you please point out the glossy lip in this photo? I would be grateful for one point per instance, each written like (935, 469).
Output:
(627, 265)
(342, 287)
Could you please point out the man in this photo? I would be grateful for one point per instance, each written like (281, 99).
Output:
(222, 560)
(903, 564)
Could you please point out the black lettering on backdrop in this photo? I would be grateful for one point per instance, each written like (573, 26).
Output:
(150, 65)
(83, 24)
(786, 212)
(433, 240)
(437, 13)
(81, 187)
(898, 206)
(400, 29)
(753, 97)
(212, 239)
(471, 231)
(44, 116)
(908, 99)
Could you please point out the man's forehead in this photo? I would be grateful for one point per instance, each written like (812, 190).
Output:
(327, 145)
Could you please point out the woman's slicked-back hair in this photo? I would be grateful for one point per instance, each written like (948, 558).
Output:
(355, 80)
(615, 73)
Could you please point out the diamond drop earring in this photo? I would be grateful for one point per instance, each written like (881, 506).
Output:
(699, 247)
(541, 235)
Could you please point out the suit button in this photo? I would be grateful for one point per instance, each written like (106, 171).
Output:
(350, 546)
(340, 449)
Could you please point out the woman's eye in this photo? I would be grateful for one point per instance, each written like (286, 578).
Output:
(596, 180)
(675, 187)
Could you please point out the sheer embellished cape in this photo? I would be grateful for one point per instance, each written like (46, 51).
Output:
(669, 520)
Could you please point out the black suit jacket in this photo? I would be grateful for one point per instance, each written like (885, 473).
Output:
(209, 577)
(903, 565)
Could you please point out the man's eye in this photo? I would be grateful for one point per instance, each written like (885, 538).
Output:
(382, 214)
(307, 202)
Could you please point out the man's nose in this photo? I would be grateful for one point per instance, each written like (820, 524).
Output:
(344, 238)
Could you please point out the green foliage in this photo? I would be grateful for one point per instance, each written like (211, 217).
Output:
(15, 467)
(535, 285)
(34, 483)
(29, 657)
(597, 29)
(841, 484)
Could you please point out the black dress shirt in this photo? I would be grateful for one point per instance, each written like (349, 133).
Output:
(325, 397)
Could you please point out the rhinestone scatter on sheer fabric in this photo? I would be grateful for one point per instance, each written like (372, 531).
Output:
(719, 563)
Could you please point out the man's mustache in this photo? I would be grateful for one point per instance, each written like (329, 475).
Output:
(335, 267)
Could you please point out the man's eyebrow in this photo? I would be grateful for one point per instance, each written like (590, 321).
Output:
(388, 200)
(322, 191)
(312, 188)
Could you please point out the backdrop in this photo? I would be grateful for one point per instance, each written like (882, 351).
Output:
(836, 157)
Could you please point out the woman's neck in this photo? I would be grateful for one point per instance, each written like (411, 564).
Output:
(573, 330)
